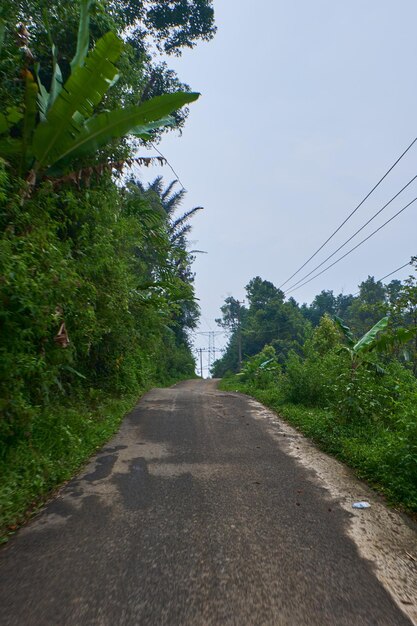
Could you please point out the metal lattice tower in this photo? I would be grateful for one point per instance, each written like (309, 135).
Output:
(211, 350)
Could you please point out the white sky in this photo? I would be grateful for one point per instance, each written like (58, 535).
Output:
(304, 106)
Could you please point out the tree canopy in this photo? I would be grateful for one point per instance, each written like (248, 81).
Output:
(271, 320)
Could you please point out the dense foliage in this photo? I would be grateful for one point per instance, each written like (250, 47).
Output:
(145, 25)
(96, 288)
(350, 384)
(268, 318)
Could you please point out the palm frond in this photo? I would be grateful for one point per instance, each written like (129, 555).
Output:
(184, 218)
(172, 203)
(138, 184)
(156, 185)
(166, 193)
(180, 234)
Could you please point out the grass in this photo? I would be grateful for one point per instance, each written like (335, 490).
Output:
(62, 440)
(376, 453)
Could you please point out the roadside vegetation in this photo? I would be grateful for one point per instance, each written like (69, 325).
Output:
(342, 370)
(96, 288)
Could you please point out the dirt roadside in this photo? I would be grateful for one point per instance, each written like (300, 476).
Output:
(384, 536)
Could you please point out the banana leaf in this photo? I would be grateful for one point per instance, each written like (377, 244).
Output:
(10, 147)
(345, 330)
(43, 95)
(145, 131)
(82, 92)
(367, 342)
(399, 337)
(83, 38)
(375, 367)
(57, 80)
(2, 32)
(101, 128)
(4, 127)
(47, 99)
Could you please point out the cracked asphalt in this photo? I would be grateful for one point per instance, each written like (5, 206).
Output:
(192, 515)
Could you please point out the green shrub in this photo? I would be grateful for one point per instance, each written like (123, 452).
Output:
(79, 257)
(363, 412)
(310, 381)
(262, 369)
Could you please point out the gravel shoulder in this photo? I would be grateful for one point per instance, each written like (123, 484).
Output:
(384, 536)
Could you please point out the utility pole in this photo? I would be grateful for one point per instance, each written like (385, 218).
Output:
(210, 349)
(200, 350)
(239, 334)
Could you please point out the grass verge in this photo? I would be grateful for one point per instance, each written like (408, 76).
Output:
(61, 441)
(376, 453)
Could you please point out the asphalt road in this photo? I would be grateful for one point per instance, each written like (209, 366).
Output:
(192, 515)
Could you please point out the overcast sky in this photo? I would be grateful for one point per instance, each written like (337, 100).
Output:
(304, 106)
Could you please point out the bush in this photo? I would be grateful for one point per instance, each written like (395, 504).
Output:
(78, 257)
(375, 395)
(310, 381)
(261, 370)
(363, 411)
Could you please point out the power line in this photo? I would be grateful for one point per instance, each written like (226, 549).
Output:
(351, 214)
(354, 234)
(169, 165)
(355, 247)
(205, 319)
(387, 275)
(394, 272)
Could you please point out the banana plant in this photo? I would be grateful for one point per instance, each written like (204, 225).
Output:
(60, 127)
(2, 32)
(397, 342)
(359, 351)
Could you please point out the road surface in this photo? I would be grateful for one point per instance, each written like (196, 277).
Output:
(193, 515)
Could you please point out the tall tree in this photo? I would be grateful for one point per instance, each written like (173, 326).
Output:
(368, 307)
(165, 202)
(403, 309)
(170, 201)
(324, 302)
(268, 320)
(172, 24)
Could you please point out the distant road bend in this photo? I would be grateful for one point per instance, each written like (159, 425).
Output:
(199, 513)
